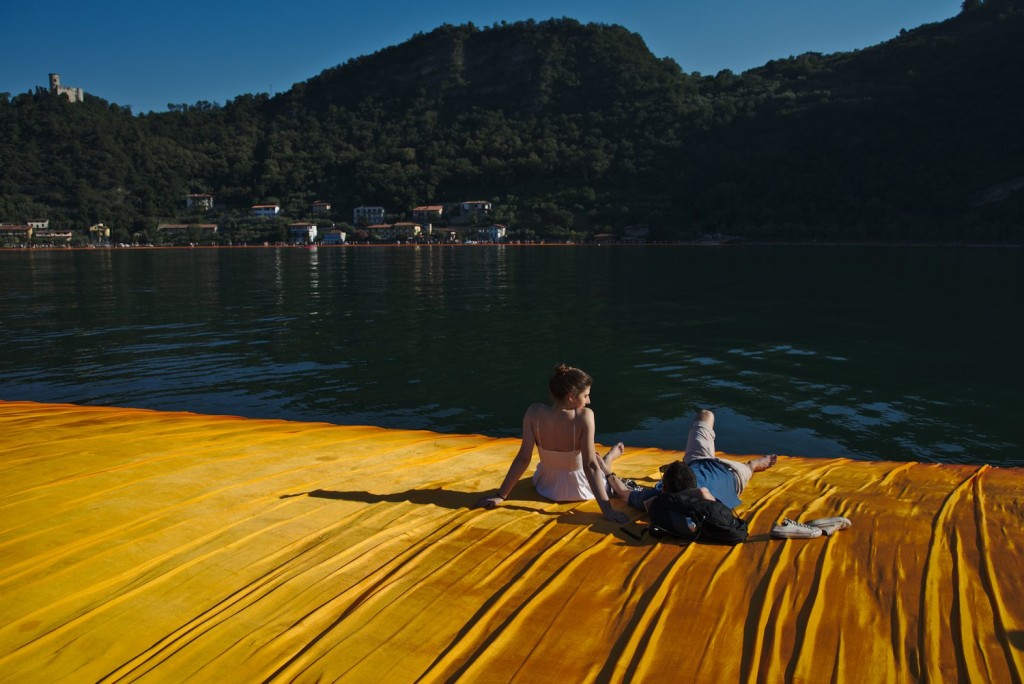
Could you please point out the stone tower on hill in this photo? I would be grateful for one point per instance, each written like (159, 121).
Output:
(74, 94)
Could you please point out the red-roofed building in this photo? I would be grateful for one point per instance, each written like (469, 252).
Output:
(266, 210)
(54, 236)
(10, 231)
(428, 213)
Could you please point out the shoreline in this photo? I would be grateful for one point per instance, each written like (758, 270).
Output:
(733, 245)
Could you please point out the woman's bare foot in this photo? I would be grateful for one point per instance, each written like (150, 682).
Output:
(762, 462)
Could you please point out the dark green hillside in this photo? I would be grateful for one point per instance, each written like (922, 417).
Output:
(571, 130)
(908, 139)
(522, 69)
(74, 164)
(558, 121)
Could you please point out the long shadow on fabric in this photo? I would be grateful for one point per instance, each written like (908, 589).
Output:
(437, 497)
(628, 534)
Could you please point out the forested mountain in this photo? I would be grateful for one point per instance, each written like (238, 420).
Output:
(570, 129)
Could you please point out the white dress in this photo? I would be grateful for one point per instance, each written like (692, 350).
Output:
(559, 475)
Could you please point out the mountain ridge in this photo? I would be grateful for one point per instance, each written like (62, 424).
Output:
(573, 129)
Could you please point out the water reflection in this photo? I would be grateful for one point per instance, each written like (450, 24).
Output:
(795, 350)
(314, 273)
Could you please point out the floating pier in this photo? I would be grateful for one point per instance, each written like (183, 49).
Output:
(172, 547)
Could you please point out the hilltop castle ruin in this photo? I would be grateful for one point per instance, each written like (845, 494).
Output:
(74, 94)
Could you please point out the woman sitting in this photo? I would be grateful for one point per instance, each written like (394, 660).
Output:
(569, 468)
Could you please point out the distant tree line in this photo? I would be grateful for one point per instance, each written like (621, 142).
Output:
(570, 130)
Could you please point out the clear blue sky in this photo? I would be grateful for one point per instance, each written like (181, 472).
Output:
(147, 54)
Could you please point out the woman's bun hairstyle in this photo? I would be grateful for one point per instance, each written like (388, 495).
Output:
(568, 380)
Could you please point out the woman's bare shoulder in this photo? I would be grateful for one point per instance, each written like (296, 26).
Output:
(535, 409)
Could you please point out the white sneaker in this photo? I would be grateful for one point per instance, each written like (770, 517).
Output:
(830, 526)
(791, 529)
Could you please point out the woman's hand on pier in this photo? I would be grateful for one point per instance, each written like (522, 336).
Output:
(489, 502)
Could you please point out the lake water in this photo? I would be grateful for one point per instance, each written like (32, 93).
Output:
(895, 353)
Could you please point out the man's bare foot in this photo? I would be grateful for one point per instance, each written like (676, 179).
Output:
(762, 462)
(614, 453)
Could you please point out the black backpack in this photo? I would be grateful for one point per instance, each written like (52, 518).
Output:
(715, 521)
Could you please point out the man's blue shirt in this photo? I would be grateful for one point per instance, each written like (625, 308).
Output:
(711, 473)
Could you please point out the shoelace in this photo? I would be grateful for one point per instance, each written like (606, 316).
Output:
(794, 523)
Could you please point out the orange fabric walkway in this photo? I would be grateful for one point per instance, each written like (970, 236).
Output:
(139, 545)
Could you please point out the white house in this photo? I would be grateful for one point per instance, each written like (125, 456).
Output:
(475, 205)
(266, 210)
(368, 215)
(334, 236)
(495, 232)
(199, 201)
(302, 233)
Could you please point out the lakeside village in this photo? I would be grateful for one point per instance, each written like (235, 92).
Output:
(462, 222)
(205, 223)
(466, 222)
